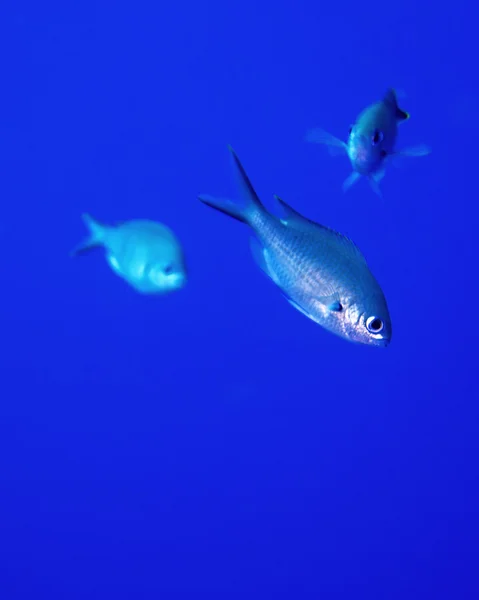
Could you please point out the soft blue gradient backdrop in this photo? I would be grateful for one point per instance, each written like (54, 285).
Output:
(216, 444)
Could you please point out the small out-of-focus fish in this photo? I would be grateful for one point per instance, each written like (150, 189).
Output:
(321, 272)
(371, 141)
(144, 253)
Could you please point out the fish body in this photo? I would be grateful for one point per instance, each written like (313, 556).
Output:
(144, 253)
(371, 140)
(373, 137)
(321, 272)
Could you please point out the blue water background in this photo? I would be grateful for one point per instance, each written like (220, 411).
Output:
(216, 444)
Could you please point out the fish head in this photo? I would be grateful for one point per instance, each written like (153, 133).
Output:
(372, 138)
(360, 322)
(366, 149)
(366, 321)
(164, 277)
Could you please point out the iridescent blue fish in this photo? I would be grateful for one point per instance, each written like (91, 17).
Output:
(321, 272)
(371, 141)
(144, 253)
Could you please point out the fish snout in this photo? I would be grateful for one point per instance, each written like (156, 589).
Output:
(364, 157)
(177, 280)
(167, 278)
(383, 342)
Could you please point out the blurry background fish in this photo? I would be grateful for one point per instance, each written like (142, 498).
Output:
(371, 141)
(145, 254)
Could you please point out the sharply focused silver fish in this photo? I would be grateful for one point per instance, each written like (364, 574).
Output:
(144, 253)
(321, 272)
(371, 141)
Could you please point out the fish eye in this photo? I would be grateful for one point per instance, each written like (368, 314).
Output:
(168, 270)
(374, 325)
(378, 137)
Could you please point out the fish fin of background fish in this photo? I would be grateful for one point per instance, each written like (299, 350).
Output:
(228, 207)
(351, 180)
(84, 248)
(374, 183)
(390, 98)
(400, 93)
(320, 136)
(402, 115)
(414, 151)
(94, 240)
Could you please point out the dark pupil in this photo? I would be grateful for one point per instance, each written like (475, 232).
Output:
(168, 270)
(377, 137)
(376, 324)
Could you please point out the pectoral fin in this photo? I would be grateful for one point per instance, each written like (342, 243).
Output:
(374, 181)
(414, 151)
(319, 136)
(330, 303)
(301, 309)
(351, 180)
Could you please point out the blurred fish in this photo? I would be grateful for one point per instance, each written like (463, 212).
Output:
(145, 254)
(371, 141)
(320, 272)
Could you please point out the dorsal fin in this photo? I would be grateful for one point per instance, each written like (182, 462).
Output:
(293, 217)
(297, 221)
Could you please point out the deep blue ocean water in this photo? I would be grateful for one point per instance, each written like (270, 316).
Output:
(215, 443)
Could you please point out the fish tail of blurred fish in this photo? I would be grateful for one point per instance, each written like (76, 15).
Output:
(391, 100)
(95, 238)
(250, 210)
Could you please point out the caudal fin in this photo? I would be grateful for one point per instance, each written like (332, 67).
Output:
(242, 212)
(390, 98)
(95, 239)
(228, 207)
